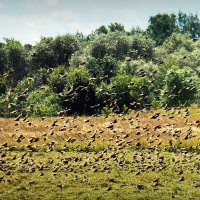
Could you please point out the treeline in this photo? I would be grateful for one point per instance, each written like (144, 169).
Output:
(109, 70)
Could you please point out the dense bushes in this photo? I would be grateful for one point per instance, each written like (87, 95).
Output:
(111, 70)
(42, 102)
(79, 95)
(181, 86)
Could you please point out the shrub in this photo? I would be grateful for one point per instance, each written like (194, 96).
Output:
(57, 79)
(181, 86)
(177, 41)
(3, 85)
(143, 44)
(115, 44)
(42, 102)
(79, 94)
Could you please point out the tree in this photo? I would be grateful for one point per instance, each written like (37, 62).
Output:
(63, 47)
(189, 24)
(120, 92)
(119, 45)
(3, 85)
(129, 91)
(99, 68)
(176, 42)
(116, 27)
(115, 44)
(113, 27)
(3, 59)
(16, 59)
(137, 29)
(101, 30)
(42, 102)
(81, 37)
(143, 45)
(58, 79)
(181, 86)
(43, 54)
(79, 95)
(161, 26)
(98, 47)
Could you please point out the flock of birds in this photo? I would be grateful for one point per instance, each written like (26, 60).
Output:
(108, 98)
(136, 144)
(144, 142)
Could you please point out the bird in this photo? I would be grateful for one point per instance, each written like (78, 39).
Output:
(18, 117)
(195, 39)
(128, 59)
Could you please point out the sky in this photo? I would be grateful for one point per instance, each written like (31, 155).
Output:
(28, 20)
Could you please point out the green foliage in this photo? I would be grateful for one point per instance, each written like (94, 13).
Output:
(19, 95)
(3, 58)
(3, 106)
(130, 67)
(16, 59)
(64, 46)
(116, 27)
(180, 87)
(50, 52)
(143, 44)
(105, 67)
(176, 42)
(109, 68)
(3, 85)
(188, 24)
(115, 44)
(140, 92)
(8, 108)
(125, 110)
(78, 59)
(41, 76)
(13, 101)
(78, 77)
(137, 30)
(43, 53)
(58, 79)
(101, 30)
(113, 27)
(79, 95)
(129, 92)
(190, 59)
(42, 102)
(119, 45)
(161, 26)
(106, 111)
(27, 84)
(99, 47)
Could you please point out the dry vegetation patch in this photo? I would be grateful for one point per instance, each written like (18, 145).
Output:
(143, 155)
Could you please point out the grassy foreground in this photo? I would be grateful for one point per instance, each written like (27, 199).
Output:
(144, 155)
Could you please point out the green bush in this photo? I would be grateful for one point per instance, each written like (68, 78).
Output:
(108, 70)
(119, 89)
(143, 44)
(181, 86)
(124, 92)
(4, 111)
(115, 44)
(79, 94)
(58, 79)
(3, 85)
(64, 46)
(42, 102)
(177, 41)
(43, 53)
(140, 92)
